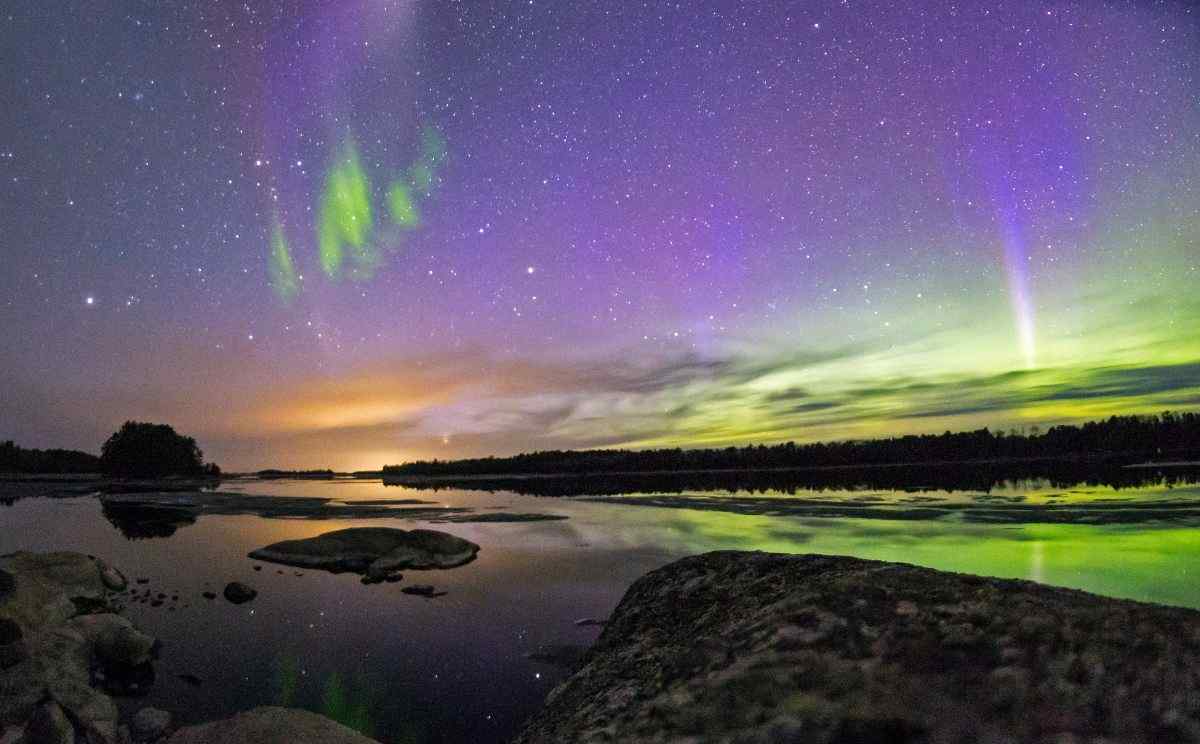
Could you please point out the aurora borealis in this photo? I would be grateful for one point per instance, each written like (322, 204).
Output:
(344, 234)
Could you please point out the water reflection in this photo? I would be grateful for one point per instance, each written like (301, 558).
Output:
(977, 477)
(458, 668)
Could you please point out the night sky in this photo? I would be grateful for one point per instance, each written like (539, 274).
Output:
(345, 234)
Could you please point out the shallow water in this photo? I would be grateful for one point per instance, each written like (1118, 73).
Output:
(455, 668)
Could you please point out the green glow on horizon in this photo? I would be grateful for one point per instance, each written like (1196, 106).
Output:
(284, 279)
(345, 222)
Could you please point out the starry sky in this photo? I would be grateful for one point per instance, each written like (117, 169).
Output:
(347, 234)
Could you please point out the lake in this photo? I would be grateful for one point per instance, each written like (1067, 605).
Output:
(457, 668)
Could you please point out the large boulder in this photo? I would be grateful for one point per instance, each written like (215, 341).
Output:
(270, 725)
(373, 551)
(44, 587)
(52, 652)
(114, 640)
(756, 647)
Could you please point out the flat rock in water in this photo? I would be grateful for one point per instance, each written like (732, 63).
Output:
(375, 551)
(758, 647)
(269, 725)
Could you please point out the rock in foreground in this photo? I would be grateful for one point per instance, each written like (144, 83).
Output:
(239, 593)
(756, 647)
(58, 637)
(374, 551)
(270, 725)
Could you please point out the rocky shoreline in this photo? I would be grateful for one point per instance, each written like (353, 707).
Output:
(722, 647)
(65, 651)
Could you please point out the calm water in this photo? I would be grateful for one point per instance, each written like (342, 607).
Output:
(455, 668)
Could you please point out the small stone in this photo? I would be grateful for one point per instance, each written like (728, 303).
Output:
(112, 578)
(239, 593)
(422, 590)
(209, 595)
(588, 621)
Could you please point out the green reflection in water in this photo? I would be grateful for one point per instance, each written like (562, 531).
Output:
(1147, 562)
(348, 707)
(287, 678)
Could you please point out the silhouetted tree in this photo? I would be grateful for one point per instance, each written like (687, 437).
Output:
(144, 450)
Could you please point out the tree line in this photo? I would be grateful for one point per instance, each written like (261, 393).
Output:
(1119, 438)
(14, 459)
(137, 450)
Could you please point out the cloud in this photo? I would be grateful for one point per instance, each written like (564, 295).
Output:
(473, 403)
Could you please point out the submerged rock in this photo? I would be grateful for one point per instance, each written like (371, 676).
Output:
(586, 622)
(239, 593)
(270, 725)
(376, 552)
(563, 655)
(756, 647)
(422, 590)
